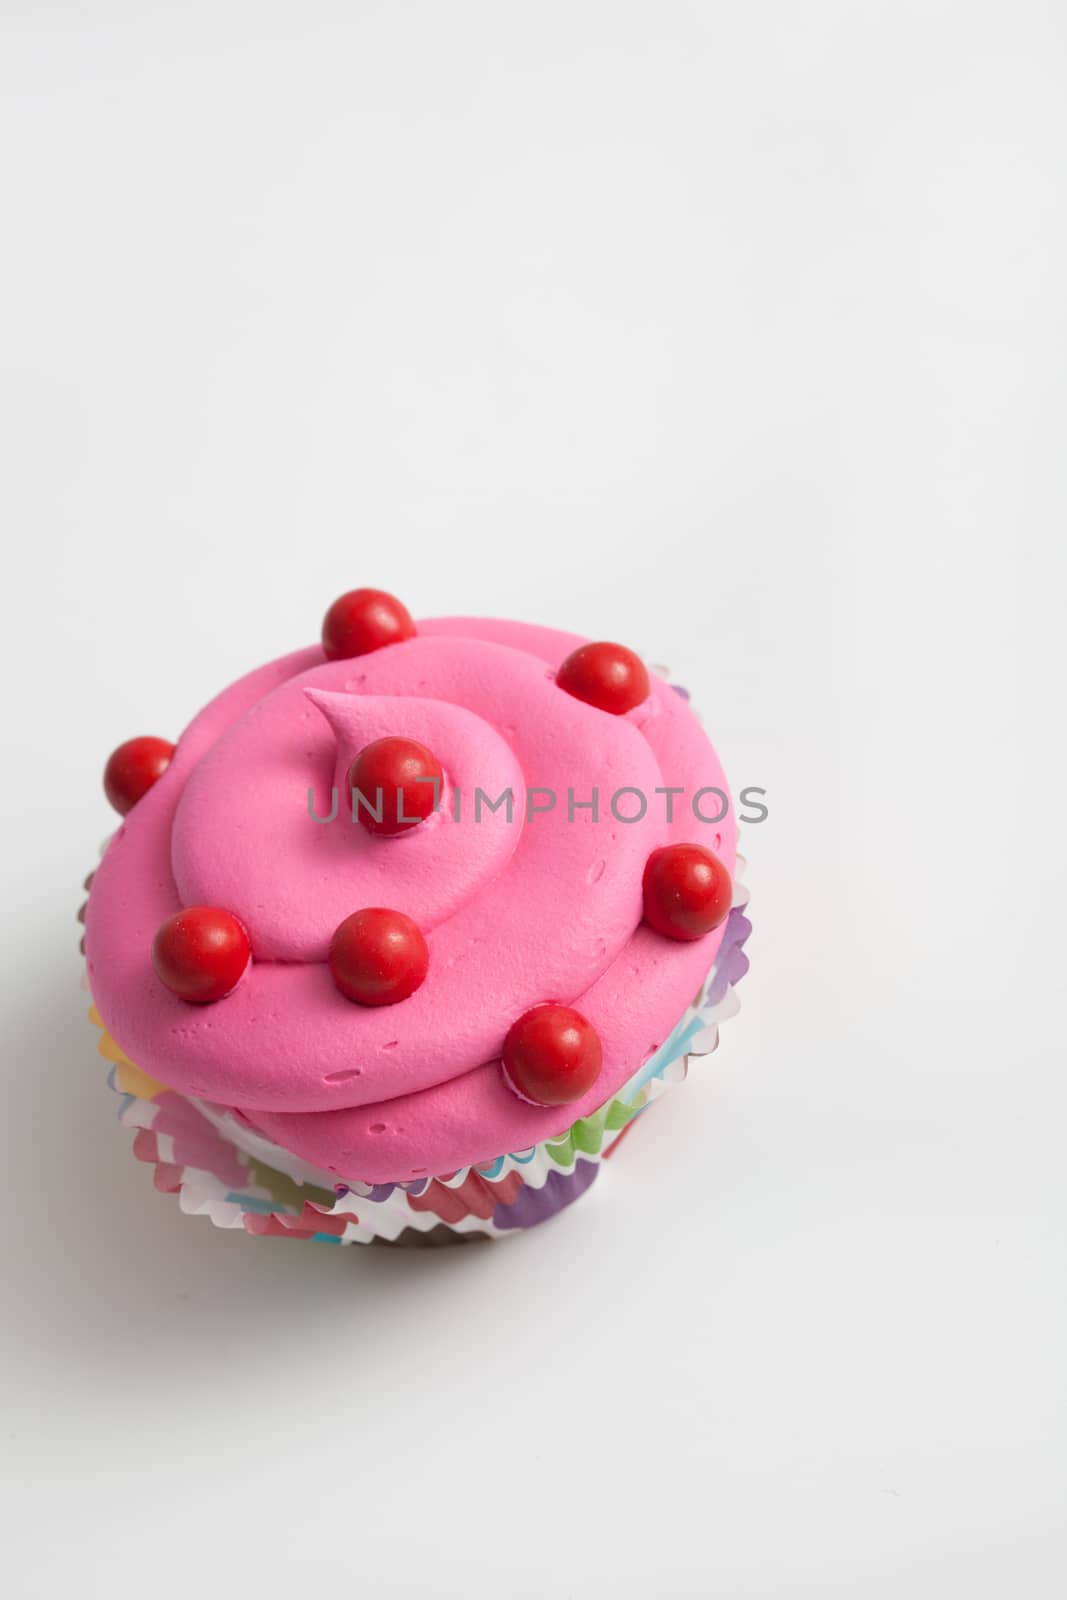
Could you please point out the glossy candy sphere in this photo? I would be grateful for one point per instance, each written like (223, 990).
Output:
(607, 676)
(409, 777)
(378, 957)
(133, 768)
(687, 891)
(201, 953)
(364, 620)
(552, 1055)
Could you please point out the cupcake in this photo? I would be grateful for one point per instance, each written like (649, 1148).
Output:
(410, 926)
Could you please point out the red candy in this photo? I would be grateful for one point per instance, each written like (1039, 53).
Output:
(363, 620)
(395, 767)
(687, 891)
(133, 768)
(378, 957)
(607, 676)
(552, 1055)
(201, 953)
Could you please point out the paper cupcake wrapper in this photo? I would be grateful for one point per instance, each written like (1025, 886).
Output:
(220, 1168)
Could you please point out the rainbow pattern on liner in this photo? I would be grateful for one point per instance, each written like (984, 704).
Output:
(220, 1168)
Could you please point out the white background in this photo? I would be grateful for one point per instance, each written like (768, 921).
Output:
(736, 332)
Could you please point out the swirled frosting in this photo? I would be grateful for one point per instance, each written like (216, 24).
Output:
(517, 908)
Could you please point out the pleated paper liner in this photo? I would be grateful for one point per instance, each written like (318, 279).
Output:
(219, 1168)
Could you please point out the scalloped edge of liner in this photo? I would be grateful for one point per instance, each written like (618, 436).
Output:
(360, 1213)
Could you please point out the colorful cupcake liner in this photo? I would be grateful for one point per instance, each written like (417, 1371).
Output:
(220, 1168)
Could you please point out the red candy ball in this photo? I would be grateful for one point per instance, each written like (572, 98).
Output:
(378, 957)
(687, 891)
(362, 620)
(133, 768)
(395, 767)
(201, 953)
(552, 1055)
(607, 676)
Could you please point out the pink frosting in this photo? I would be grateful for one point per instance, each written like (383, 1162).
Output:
(517, 910)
